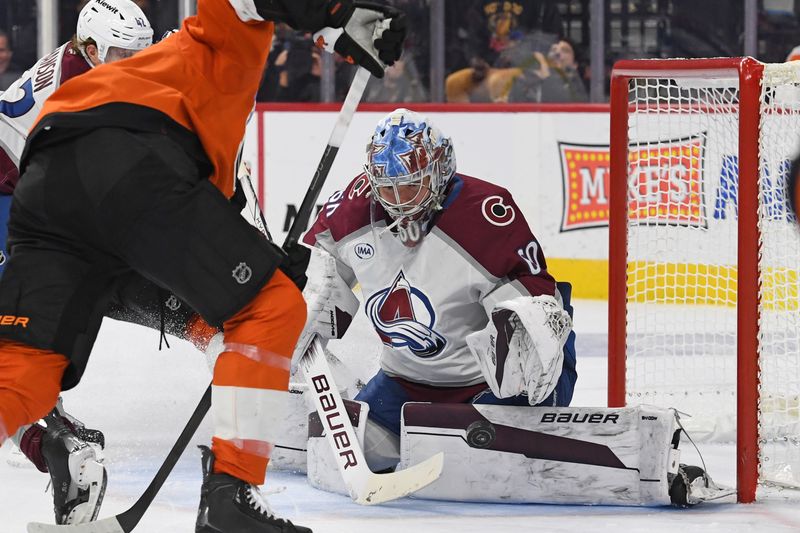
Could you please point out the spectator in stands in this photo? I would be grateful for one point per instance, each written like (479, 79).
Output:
(8, 74)
(300, 69)
(270, 83)
(485, 29)
(402, 84)
(555, 78)
(480, 83)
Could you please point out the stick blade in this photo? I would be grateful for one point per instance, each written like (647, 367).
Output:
(382, 488)
(106, 525)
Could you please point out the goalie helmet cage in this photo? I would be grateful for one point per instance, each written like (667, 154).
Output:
(704, 254)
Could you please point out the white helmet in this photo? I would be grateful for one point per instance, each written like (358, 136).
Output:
(114, 23)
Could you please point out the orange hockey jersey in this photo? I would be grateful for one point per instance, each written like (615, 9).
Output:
(204, 77)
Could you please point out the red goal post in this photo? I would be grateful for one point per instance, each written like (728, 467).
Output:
(689, 282)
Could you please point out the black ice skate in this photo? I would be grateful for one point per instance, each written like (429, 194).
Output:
(76, 473)
(230, 505)
(692, 485)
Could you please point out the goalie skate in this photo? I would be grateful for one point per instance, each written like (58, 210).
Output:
(692, 485)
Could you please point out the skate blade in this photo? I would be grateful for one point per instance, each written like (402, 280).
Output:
(107, 525)
(96, 478)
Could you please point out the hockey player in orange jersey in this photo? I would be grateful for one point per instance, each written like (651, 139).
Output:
(128, 169)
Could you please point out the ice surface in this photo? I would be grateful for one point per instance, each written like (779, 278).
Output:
(141, 398)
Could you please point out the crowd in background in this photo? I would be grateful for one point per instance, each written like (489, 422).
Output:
(495, 50)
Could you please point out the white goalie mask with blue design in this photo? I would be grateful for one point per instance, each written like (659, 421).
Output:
(409, 165)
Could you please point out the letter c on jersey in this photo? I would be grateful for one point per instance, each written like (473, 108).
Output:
(496, 212)
(21, 106)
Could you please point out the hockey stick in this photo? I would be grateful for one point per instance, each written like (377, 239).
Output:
(326, 161)
(364, 486)
(128, 520)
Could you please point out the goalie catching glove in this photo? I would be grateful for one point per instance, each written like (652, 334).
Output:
(330, 303)
(367, 34)
(521, 350)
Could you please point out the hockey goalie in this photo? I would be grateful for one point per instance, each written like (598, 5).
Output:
(478, 353)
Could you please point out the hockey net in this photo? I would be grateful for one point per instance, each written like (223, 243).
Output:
(705, 254)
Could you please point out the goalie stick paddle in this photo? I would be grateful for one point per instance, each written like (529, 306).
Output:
(127, 521)
(364, 486)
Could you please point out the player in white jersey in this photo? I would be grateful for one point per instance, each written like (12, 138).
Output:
(107, 31)
(453, 280)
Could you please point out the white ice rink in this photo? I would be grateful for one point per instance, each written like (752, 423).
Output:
(141, 398)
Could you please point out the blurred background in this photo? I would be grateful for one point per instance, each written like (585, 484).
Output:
(469, 50)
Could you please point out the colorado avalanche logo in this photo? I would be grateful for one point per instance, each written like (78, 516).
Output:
(403, 317)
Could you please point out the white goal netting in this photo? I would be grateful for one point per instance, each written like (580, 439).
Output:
(683, 168)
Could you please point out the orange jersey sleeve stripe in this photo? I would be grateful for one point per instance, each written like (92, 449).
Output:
(205, 77)
(236, 370)
(237, 462)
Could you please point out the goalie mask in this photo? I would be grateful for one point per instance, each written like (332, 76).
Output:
(409, 165)
(116, 26)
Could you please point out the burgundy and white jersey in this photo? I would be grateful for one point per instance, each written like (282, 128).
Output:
(21, 103)
(423, 301)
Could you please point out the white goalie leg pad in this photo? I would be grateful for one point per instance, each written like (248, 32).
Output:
(322, 468)
(564, 455)
(289, 452)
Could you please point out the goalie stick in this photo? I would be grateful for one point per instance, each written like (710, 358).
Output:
(364, 486)
(126, 521)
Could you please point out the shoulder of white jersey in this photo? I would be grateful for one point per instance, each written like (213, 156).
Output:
(484, 220)
(476, 202)
(345, 212)
(45, 76)
(73, 63)
(24, 99)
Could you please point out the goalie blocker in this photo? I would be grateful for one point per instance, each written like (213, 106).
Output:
(560, 455)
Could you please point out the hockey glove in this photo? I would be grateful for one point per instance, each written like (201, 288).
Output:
(521, 350)
(295, 264)
(330, 303)
(366, 34)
